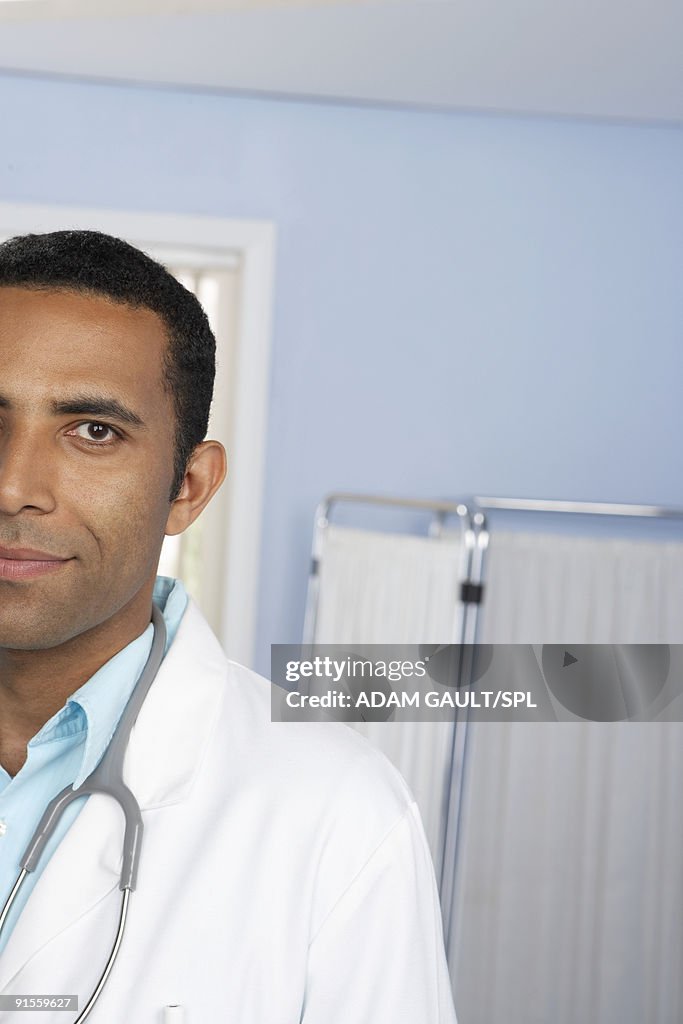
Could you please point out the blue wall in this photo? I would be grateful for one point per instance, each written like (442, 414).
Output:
(464, 304)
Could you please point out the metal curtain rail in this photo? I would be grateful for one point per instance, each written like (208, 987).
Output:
(450, 507)
(593, 508)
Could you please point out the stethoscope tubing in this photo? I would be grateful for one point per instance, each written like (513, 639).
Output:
(85, 1012)
(107, 779)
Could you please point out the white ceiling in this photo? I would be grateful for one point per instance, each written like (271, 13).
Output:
(595, 58)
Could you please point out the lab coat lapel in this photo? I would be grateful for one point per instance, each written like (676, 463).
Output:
(163, 756)
(178, 716)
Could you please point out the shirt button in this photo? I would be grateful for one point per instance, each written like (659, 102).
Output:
(3, 827)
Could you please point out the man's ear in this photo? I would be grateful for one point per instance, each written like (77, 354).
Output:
(206, 471)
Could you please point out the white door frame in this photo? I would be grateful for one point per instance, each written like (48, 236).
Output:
(254, 242)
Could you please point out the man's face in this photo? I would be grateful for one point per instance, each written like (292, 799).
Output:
(86, 462)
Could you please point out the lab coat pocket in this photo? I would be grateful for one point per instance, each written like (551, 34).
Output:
(174, 1014)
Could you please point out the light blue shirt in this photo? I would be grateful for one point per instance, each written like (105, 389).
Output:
(69, 747)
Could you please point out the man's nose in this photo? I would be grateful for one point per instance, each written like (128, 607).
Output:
(25, 476)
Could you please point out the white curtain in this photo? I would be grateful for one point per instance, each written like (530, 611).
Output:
(568, 907)
(391, 588)
(569, 902)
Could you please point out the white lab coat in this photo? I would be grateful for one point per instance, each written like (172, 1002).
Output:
(285, 876)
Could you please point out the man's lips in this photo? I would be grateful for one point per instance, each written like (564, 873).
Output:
(26, 563)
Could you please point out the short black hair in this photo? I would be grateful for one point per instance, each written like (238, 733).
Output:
(96, 263)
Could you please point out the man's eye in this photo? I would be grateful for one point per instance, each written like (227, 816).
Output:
(96, 432)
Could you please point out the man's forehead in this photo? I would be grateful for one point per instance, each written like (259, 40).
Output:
(91, 324)
(59, 346)
(38, 301)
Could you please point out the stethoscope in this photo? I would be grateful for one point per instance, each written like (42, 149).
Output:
(107, 778)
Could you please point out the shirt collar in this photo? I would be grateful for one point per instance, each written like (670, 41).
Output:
(103, 698)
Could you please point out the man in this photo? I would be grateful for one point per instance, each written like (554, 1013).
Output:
(284, 874)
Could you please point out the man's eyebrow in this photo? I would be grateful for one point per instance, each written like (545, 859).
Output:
(96, 405)
(89, 405)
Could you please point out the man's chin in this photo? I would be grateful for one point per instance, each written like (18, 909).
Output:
(30, 642)
(32, 634)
